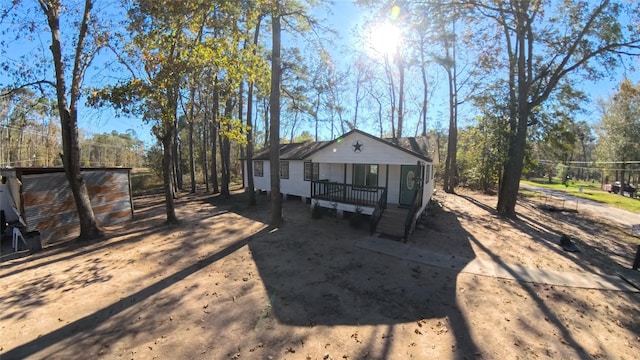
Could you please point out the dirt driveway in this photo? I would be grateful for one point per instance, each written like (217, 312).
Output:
(222, 285)
(600, 210)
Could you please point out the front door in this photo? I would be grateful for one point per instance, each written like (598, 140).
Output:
(408, 183)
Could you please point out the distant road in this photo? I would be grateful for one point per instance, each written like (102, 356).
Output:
(612, 214)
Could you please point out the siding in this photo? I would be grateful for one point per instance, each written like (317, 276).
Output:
(49, 208)
(295, 184)
(373, 152)
(332, 160)
(262, 182)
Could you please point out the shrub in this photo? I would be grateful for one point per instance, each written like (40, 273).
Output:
(316, 211)
(356, 218)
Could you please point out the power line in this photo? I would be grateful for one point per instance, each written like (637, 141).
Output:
(593, 168)
(601, 162)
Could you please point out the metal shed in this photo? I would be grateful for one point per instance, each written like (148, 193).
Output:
(44, 201)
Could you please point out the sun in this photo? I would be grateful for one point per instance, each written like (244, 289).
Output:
(384, 39)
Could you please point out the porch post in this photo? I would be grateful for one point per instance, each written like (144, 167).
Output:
(386, 184)
(421, 185)
(344, 183)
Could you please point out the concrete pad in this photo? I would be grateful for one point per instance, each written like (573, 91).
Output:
(495, 269)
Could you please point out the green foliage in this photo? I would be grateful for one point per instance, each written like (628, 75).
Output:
(154, 159)
(591, 191)
(144, 181)
(29, 130)
(544, 43)
(482, 147)
(619, 129)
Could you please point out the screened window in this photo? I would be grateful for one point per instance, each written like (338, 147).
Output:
(284, 169)
(365, 175)
(258, 169)
(427, 176)
(311, 171)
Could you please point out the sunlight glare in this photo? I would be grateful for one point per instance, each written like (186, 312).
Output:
(385, 39)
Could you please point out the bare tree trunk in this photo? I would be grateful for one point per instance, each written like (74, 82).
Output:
(380, 125)
(392, 95)
(177, 159)
(274, 104)
(240, 116)
(192, 161)
(214, 138)
(315, 115)
(425, 89)
(69, 115)
(167, 164)
(400, 63)
(518, 119)
(249, 163)
(267, 111)
(451, 168)
(225, 150)
(450, 160)
(205, 141)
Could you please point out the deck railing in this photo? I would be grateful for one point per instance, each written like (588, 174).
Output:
(377, 212)
(410, 221)
(346, 193)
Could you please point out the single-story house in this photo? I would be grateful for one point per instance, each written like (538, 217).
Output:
(40, 199)
(389, 179)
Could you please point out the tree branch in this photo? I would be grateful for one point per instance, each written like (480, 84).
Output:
(23, 86)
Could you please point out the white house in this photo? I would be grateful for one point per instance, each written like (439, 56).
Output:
(390, 179)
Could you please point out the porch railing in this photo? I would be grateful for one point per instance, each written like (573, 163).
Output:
(346, 193)
(410, 221)
(377, 212)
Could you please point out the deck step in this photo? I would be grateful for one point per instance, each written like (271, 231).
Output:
(392, 222)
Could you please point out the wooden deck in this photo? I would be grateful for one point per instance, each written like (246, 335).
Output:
(392, 222)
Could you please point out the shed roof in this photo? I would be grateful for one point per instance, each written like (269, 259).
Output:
(20, 171)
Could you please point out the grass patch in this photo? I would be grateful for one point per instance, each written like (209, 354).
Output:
(558, 185)
(591, 191)
(529, 193)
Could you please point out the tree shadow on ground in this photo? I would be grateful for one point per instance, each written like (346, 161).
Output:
(609, 258)
(315, 275)
(132, 316)
(148, 220)
(589, 259)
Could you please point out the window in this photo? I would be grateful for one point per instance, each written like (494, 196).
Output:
(258, 168)
(284, 169)
(365, 175)
(311, 171)
(427, 169)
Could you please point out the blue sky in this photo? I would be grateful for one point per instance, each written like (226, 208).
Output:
(344, 18)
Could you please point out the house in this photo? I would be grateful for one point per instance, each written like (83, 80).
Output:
(389, 179)
(40, 199)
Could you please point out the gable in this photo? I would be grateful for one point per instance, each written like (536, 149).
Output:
(361, 148)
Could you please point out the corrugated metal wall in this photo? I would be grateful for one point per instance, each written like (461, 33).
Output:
(49, 206)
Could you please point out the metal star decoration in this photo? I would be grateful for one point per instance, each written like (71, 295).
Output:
(357, 146)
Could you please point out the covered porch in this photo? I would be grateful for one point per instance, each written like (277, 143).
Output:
(390, 194)
(347, 197)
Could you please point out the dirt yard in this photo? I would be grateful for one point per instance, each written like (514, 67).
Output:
(222, 285)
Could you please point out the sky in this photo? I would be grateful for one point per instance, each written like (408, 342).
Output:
(345, 16)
